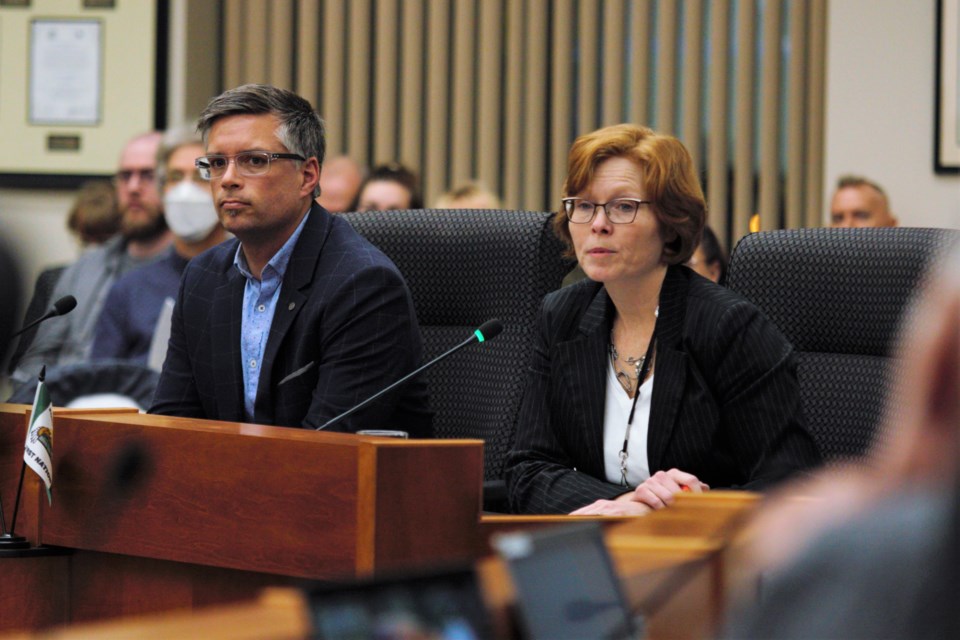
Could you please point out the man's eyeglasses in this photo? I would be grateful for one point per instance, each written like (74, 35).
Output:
(248, 163)
(619, 211)
(144, 175)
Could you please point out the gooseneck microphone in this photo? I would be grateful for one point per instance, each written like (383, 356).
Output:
(61, 307)
(487, 331)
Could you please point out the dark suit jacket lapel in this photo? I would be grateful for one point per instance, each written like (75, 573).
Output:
(293, 295)
(584, 360)
(669, 368)
(227, 313)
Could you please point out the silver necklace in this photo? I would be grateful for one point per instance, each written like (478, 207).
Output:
(626, 380)
(641, 365)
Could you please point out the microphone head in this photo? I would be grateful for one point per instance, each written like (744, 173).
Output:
(64, 305)
(489, 330)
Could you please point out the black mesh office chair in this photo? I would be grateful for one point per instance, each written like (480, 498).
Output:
(838, 294)
(463, 268)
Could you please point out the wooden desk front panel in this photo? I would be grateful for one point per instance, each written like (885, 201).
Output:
(260, 499)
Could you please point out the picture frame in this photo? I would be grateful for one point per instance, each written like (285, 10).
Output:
(79, 80)
(947, 98)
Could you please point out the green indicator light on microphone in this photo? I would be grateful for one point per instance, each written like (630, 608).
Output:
(479, 335)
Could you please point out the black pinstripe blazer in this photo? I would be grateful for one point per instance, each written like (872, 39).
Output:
(344, 328)
(725, 407)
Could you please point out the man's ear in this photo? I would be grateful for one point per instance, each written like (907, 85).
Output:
(311, 177)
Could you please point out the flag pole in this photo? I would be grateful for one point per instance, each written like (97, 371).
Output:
(8, 540)
(16, 503)
(11, 540)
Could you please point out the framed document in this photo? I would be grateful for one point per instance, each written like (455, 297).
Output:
(79, 79)
(947, 101)
(66, 72)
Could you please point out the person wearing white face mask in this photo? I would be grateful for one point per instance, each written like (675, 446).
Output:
(125, 329)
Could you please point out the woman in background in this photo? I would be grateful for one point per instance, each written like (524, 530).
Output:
(646, 379)
(388, 187)
(709, 259)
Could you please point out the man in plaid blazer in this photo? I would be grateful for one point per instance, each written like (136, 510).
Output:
(298, 318)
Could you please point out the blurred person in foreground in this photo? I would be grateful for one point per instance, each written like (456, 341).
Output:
(10, 293)
(298, 318)
(130, 315)
(709, 259)
(860, 202)
(142, 239)
(389, 187)
(873, 551)
(648, 379)
(340, 180)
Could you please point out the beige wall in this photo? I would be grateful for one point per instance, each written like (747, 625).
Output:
(880, 92)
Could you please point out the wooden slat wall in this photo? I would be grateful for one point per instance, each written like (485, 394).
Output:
(816, 83)
(743, 129)
(411, 87)
(769, 168)
(386, 81)
(796, 114)
(332, 52)
(496, 90)
(490, 100)
(692, 77)
(666, 66)
(718, 162)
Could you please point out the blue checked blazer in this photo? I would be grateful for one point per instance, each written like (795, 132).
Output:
(343, 329)
(725, 407)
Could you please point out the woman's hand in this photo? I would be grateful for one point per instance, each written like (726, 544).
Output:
(658, 490)
(622, 506)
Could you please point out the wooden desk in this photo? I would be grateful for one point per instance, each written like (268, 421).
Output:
(671, 563)
(167, 513)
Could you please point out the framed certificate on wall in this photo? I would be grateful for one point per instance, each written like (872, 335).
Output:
(947, 117)
(79, 79)
(66, 72)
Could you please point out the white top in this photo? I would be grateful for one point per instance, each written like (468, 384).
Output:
(615, 415)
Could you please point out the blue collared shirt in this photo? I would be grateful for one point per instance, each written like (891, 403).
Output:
(259, 302)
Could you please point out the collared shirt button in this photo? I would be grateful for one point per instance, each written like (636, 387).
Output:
(262, 307)
(253, 363)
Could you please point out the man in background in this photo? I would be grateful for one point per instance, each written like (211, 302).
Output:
(126, 327)
(340, 181)
(298, 318)
(860, 202)
(143, 237)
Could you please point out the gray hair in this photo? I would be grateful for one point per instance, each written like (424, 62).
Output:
(173, 139)
(301, 127)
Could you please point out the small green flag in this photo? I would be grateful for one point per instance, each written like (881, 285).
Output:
(38, 452)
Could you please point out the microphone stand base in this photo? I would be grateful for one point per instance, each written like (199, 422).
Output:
(9, 542)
